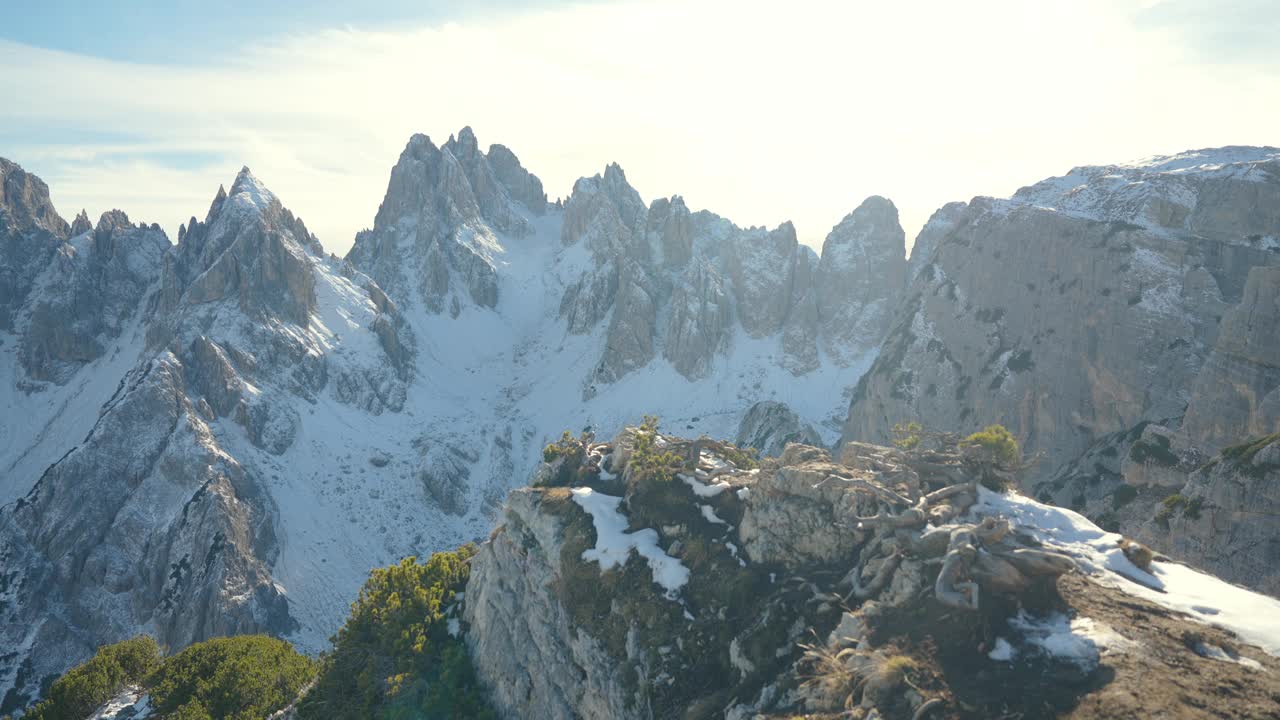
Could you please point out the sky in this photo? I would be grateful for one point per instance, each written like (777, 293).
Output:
(761, 112)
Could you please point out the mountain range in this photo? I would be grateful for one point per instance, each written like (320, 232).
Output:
(224, 435)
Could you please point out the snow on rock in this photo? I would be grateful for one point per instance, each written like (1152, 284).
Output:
(1078, 640)
(709, 514)
(614, 544)
(1252, 616)
(130, 703)
(1158, 193)
(702, 489)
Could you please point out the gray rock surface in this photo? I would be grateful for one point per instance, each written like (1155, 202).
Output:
(164, 518)
(761, 269)
(861, 277)
(1237, 393)
(523, 644)
(1223, 519)
(705, 280)
(1184, 486)
(1079, 307)
(87, 294)
(434, 229)
(769, 426)
(30, 232)
(148, 523)
(699, 325)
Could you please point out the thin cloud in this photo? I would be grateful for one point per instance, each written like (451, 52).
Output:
(759, 113)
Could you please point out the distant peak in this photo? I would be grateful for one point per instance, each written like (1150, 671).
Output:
(82, 224)
(1204, 159)
(877, 202)
(464, 145)
(250, 188)
(113, 220)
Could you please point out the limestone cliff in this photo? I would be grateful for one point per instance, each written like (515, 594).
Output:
(1081, 306)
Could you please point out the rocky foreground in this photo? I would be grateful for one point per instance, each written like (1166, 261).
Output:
(657, 577)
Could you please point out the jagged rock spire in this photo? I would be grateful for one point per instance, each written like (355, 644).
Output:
(860, 277)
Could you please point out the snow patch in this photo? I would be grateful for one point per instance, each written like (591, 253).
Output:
(1003, 651)
(1252, 616)
(710, 514)
(702, 489)
(1081, 640)
(614, 544)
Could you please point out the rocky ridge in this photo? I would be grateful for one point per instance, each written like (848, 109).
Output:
(716, 588)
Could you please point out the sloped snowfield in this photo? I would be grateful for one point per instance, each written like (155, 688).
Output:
(40, 426)
(493, 387)
(1252, 616)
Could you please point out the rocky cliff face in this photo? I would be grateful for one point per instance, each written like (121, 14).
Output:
(1079, 307)
(721, 591)
(1237, 393)
(1142, 295)
(855, 306)
(434, 232)
(72, 301)
(1200, 487)
(226, 434)
(86, 297)
(704, 279)
(30, 231)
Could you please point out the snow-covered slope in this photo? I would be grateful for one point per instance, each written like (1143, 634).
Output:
(1253, 616)
(259, 424)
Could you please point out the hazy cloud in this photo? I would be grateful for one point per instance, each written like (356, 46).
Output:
(759, 112)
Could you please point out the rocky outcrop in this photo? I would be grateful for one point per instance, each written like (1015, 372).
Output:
(761, 270)
(30, 232)
(1144, 480)
(250, 249)
(1122, 273)
(92, 288)
(699, 325)
(573, 674)
(523, 186)
(861, 277)
(630, 339)
(800, 332)
(433, 237)
(723, 591)
(607, 216)
(942, 223)
(1222, 517)
(769, 426)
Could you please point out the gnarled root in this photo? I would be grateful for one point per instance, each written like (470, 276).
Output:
(1038, 562)
(878, 583)
(995, 573)
(952, 587)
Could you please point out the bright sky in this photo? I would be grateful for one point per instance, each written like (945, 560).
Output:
(761, 112)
